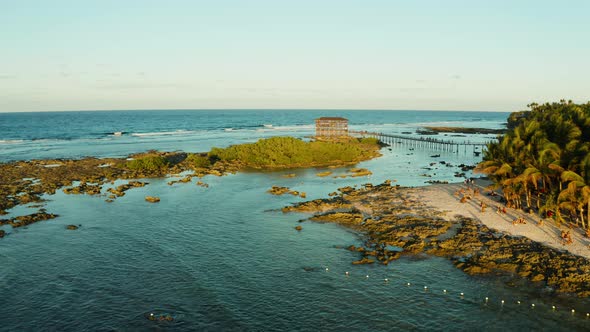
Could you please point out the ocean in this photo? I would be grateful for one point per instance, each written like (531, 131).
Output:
(225, 258)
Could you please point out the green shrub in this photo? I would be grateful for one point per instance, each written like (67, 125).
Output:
(280, 152)
(149, 164)
(369, 140)
(198, 161)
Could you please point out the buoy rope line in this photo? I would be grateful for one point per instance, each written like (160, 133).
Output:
(485, 301)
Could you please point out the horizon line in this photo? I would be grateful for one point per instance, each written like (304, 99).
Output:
(252, 109)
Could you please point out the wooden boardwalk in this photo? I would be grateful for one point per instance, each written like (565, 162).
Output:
(427, 142)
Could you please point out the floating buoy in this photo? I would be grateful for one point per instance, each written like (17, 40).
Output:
(573, 310)
(517, 302)
(462, 294)
(553, 307)
(386, 280)
(367, 275)
(408, 284)
(327, 269)
(502, 302)
(346, 272)
(588, 315)
(487, 299)
(444, 290)
(533, 305)
(425, 287)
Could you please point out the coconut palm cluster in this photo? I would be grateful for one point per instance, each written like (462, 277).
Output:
(543, 162)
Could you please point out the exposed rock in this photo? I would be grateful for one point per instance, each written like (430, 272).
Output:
(202, 184)
(186, 179)
(2, 233)
(364, 261)
(276, 190)
(152, 199)
(72, 227)
(21, 221)
(84, 188)
(120, 190)
(298, 228)
(390, 216)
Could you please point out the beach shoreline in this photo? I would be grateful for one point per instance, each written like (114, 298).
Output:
(398, 221)
(442, 197)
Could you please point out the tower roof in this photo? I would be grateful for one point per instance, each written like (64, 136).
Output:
(332, 118)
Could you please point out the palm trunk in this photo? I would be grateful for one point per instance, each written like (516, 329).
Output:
(544, 184)
(528, 199)
(582, 217)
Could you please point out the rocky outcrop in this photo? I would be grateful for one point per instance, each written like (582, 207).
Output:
(396, 224)
(21, 221)
(202, 184)
(120, 190)
(278, 191)
(84, 188)
(72, 227)
(2, 233)
(152, 199)
(185, 179)
(324, 174)
(317, 205)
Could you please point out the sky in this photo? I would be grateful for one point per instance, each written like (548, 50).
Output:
(281, 54)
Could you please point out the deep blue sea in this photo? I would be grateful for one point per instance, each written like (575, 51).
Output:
(225, 258)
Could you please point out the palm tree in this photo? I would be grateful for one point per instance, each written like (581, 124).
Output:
(576, 195)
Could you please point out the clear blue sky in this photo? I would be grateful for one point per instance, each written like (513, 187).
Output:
(378, 54)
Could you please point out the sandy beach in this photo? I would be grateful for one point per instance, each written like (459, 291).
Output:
(442, 197)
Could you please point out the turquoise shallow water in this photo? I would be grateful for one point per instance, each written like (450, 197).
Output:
(224, 258)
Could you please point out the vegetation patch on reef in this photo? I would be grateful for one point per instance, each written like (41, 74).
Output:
(289, 152)
(23, 182)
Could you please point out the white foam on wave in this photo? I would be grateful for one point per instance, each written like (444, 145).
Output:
(288, 128)
(11, 141)
(164, 133)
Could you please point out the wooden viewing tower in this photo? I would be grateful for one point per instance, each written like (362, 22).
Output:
(331, 127)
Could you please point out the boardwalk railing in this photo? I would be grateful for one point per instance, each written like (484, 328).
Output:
(427, 142)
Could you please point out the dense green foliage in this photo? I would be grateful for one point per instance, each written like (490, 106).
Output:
(148, 164)
(282, 152)
(198, 160)
(370, 141)
(545, 160)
